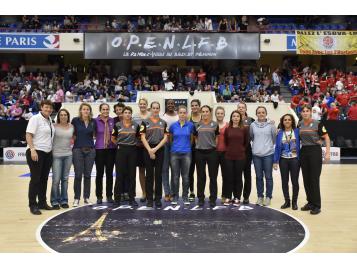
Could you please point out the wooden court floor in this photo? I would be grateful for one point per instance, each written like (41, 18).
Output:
(334, 230)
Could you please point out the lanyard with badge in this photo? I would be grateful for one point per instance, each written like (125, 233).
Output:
(288, 141)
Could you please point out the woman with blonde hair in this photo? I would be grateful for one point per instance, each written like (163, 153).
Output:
(83, 152)
(221, 146)
(138, 118)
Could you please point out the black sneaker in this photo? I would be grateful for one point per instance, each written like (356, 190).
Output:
(35, 211)
(212, 203)
(149, 203)
(315, 211)
(64, 206)
(158, 203)
(45, 206)
(285, 205)
(133, 203)
(143, 199)
(201, 202)
(117, 203)
(110, 200)
(245, 201)
(99, 201)
(294, 205)
(307, 207)
(56, 207)
(192, 197)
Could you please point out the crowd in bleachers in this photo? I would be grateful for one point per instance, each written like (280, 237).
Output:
(166, 23)
(178, 23)
(21, 91)
(44, 23)
(333, 94)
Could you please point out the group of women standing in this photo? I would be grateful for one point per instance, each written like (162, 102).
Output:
(178, 142)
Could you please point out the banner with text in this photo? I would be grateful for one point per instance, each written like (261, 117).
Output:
(29, 41)
(171, 46)
(326, 42)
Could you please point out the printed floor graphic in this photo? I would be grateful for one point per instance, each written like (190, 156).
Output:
(180, 228)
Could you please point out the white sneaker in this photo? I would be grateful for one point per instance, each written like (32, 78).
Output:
(227, 202)
(260, 201)
(267, 201)
(76, 203)
(236, 202)
(87, 201)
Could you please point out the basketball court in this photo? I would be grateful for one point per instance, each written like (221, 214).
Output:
(182, 229)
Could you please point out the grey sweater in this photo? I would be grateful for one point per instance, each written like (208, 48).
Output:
(62, 141)
(263, 136)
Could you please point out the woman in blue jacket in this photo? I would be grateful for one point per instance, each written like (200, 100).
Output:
(287, 149)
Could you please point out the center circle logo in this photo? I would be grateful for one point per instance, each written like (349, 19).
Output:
(328, 42)
(171, 229)
(10, 154)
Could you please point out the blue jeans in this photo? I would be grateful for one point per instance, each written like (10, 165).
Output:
(264, 164)
(83, 162)
(165, 170)
(60, 172)
(180, 163)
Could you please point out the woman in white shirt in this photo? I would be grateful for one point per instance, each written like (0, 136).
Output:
(39, 137)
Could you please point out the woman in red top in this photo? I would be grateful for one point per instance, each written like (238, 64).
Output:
(352, 112)
(236, 138)
(333, 113)
(221, 146)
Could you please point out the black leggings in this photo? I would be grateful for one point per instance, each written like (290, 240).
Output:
(39, 176)
(247, 171)
(222, 163)
(192, 169)
(125, 165)
(210, 158)
(234, 182)
(154, 173)
(311, 166)
(104, 159)
(290, 166)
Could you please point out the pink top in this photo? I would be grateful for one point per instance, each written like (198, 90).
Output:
(221, 146)
(59, 95)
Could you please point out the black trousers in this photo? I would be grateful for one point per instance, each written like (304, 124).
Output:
(234, 178)
(153, 169)
(247, 171)
(192, 169)
(104, 160)
(125, 166)
(290, 166)
(39, 176)
(209, 158)
(311, 165)
(222, 163)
